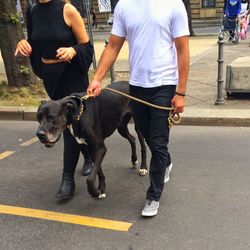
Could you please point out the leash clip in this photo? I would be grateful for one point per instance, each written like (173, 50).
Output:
(85, 97)
(174, 118)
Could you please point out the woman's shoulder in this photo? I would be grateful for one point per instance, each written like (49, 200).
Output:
(71, 14)
(70, 9)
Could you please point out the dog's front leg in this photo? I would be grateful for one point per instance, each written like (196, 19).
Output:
(101, 186)
(98, 156)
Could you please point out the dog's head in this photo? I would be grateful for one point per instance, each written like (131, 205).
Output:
(54, 117)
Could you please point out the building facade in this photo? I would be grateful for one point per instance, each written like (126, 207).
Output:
(200, 9)
(203, 9)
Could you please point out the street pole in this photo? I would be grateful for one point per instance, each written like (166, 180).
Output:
(86, 5)
(220, 81)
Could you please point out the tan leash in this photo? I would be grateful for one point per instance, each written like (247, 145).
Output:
(174, 118)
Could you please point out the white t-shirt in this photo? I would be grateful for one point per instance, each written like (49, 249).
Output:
(150, 27)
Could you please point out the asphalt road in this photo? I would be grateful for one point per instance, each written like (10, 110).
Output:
(204, 206)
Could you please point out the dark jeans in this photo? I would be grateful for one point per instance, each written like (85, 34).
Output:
(153, 123)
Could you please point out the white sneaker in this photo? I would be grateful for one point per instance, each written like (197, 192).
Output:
(150, 208)
(167, 174)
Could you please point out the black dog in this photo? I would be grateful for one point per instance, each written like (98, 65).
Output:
(91, 121)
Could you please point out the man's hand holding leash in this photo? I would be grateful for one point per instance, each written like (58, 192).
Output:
(178, 102)
(94, 88)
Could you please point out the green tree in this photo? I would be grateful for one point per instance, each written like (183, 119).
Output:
(18, 69)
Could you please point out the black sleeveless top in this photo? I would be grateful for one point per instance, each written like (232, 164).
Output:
(49, 30)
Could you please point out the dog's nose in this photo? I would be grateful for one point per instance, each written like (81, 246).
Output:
(41, 135)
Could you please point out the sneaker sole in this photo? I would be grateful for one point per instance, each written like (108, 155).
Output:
(149, 214)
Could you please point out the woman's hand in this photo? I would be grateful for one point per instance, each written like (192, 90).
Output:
(23, 48)
(66, 54)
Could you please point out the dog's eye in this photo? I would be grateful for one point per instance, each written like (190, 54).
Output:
(50, 118)
(39, 117)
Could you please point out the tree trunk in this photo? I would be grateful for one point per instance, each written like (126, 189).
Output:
(188, 9)
(24, 5)
(18, 69)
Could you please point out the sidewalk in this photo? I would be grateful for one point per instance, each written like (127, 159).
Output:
(202, 86)
(202, 90)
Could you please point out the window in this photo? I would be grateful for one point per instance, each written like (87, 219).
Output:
(208, 3)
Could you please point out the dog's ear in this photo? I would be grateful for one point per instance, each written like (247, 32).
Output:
(70, 107)
(73, 107)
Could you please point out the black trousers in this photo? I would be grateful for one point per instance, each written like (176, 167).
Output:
(153, 123)
(60, 80)
(63, 79)
(71, 152)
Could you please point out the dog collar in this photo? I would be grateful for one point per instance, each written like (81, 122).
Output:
(77, 100)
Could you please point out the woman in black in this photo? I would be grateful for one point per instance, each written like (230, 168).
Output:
(61, 54)
(94, 22)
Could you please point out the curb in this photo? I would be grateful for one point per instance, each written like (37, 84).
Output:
(29, 114)
(18, 114)
(200, 116)
(215, 121)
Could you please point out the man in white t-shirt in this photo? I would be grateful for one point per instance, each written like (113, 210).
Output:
(157, 34)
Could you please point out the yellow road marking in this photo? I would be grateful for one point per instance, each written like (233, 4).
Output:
(29, 142)
(67, 218)
(6, 154)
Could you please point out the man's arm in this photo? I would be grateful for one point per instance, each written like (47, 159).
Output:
(107, 59)
(239, 7)
(183, 58)
(226, 12)
(224, 6)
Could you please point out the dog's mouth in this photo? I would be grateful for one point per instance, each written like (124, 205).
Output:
(49, 144)
(49, 140)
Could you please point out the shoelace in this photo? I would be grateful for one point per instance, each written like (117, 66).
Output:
(149, 203)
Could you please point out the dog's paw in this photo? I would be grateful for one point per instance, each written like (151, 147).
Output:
(143, 172)
(102, 196)
(134, 164)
